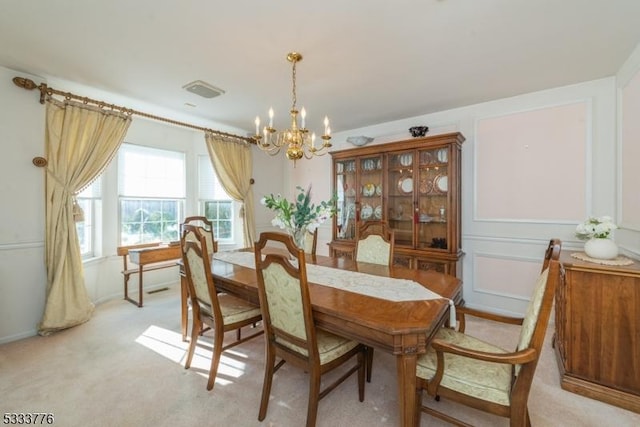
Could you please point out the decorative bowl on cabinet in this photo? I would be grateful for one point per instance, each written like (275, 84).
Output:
(359, 140)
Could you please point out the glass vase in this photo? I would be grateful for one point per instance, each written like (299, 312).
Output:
(299, 236)
(600, 248)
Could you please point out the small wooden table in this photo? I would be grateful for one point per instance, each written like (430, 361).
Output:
(151, 256)
(401, 328)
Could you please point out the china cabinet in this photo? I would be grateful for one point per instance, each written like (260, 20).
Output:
(414, 185)
(597, 337)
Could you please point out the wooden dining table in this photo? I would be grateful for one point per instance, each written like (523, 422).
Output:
(402, 328)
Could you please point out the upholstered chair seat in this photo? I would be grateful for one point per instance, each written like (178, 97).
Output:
(484, 380)
(330, 346)
(460, 367)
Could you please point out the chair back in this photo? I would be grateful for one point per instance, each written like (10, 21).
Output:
(206, 229)
(552, 252)
(197, 269)
(536, 319)
(311, 242)
(284, 295)
(375, 243)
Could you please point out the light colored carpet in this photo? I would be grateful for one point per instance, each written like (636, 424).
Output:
(125, 367)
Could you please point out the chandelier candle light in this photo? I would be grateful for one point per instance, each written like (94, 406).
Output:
(296, 139)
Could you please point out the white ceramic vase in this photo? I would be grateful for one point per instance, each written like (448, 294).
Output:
(601, 248)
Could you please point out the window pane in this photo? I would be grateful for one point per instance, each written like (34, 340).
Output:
(209, 187)
(84, 228)
(224, 211)
(220, 213)
(152, 188)
(150, 172)
(145, 221)
(89, 200)
(216, 204)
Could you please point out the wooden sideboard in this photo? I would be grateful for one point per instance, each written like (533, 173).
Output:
(597, 340)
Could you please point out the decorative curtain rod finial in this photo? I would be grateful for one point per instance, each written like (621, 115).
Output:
(29, 84)
(40, 162)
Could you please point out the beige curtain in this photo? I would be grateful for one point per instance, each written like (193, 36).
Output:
(80, 142)
(233, 163)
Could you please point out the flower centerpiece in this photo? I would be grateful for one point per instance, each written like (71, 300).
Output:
(300, 216)
(597, 232)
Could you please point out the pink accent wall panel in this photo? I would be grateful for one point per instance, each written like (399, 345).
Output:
(527, 162)
(506, 277)
(631, 153)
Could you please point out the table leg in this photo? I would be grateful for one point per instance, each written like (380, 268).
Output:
(140, 286)
(184, 309)
(406, 366)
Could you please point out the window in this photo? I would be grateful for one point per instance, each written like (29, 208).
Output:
(90, 200)
(151, 194)
(215, 203)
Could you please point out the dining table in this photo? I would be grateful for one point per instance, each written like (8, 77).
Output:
(402, 327)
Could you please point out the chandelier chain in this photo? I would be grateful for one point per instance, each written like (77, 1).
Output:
(295, 98)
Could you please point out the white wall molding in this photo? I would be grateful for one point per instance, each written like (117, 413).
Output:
(21, 245)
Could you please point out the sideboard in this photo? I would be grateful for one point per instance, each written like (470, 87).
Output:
(597, 340)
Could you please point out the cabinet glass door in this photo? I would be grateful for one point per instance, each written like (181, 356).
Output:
(346, 198)
(400, 185)
(370, 190)
(433, 198)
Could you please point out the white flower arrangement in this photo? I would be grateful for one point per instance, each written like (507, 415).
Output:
(300, 215)
(596, 227)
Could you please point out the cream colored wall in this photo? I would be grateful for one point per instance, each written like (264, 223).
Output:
(22, 270)
(22, 273)
(628, 155)
(566, 139)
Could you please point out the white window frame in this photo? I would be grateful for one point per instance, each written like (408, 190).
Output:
(90, 200)
(158, 176)
(210, 190)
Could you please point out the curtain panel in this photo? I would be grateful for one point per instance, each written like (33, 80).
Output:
(233, 164)
(80, 142)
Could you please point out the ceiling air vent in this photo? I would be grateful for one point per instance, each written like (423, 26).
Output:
(203, 89)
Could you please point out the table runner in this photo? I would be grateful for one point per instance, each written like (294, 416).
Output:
(388, 288)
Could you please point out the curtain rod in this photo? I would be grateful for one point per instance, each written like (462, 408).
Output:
(45, 90)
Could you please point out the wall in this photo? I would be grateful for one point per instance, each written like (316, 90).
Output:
(22, 270)
(22, 273)
(534, 166)
(628, 85)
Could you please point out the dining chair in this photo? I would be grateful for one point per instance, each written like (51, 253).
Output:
(375, 243)
(311, 242)
(476, 373)
(291, 333)
(206, 229)
(219, 311)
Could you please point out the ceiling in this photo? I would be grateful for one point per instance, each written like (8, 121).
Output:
(365, 62)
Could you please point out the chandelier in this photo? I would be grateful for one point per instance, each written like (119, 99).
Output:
(296, 139)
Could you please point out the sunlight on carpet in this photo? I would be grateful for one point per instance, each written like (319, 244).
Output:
(169, 344)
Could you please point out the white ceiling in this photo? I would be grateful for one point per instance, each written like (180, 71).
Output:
(365, 62)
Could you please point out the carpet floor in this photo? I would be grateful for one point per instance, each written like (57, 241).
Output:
(125, 367)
